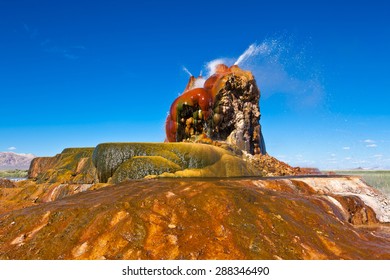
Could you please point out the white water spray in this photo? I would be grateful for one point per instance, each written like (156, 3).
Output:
(279, 68)
(254, 50)
(212, 65)
(199, 82)
(186, 70)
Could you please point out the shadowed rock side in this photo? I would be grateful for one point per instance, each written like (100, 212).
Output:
(123, 161)
(72, 165)
(199, 219)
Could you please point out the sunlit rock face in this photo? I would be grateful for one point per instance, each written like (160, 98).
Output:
(226, 108)
(72, 165)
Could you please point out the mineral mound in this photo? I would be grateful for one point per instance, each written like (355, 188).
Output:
(118, 162)
(222, 112)
(225, 108)
(123, 161)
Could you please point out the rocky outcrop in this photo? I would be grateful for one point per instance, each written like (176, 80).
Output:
(29, 193)
(40, 165)
(123, 161)
(72, 165)
(226, 108)
(296, 218)
(343, 189)
(117, 162)
(271, 166)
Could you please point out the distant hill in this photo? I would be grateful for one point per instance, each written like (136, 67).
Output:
(11, 161)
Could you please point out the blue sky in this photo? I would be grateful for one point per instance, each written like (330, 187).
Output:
(79, 73)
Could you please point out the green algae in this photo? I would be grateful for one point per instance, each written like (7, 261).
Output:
(141, 166)
(108, 157)
(72, 165)
(139, 160)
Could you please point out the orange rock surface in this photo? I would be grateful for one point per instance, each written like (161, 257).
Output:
(201, 219)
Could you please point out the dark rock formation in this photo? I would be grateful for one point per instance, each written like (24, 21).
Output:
(72, 165)
(204, 219)
(225, 109)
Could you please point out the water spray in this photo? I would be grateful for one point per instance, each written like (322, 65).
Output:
(252, 51)
(186, 70)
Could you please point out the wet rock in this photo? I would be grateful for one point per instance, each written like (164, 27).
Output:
(133, 160)
(28, 193)
(139, 167)
(226, 108)
(198, 219)
(139, 160)
(360, 195)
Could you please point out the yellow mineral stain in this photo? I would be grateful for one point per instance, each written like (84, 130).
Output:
(312, 253)
(172, 239)
(331, 246)
(19, 240)
(79, 250)
(169, 194)
(118, 217)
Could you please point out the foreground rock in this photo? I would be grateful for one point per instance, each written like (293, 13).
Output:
(28, 193)
(300, 218)
(5, 183)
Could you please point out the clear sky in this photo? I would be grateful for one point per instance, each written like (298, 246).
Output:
(79, 73)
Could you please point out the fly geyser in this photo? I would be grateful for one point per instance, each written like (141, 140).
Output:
(225, 108)
(213, 194)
